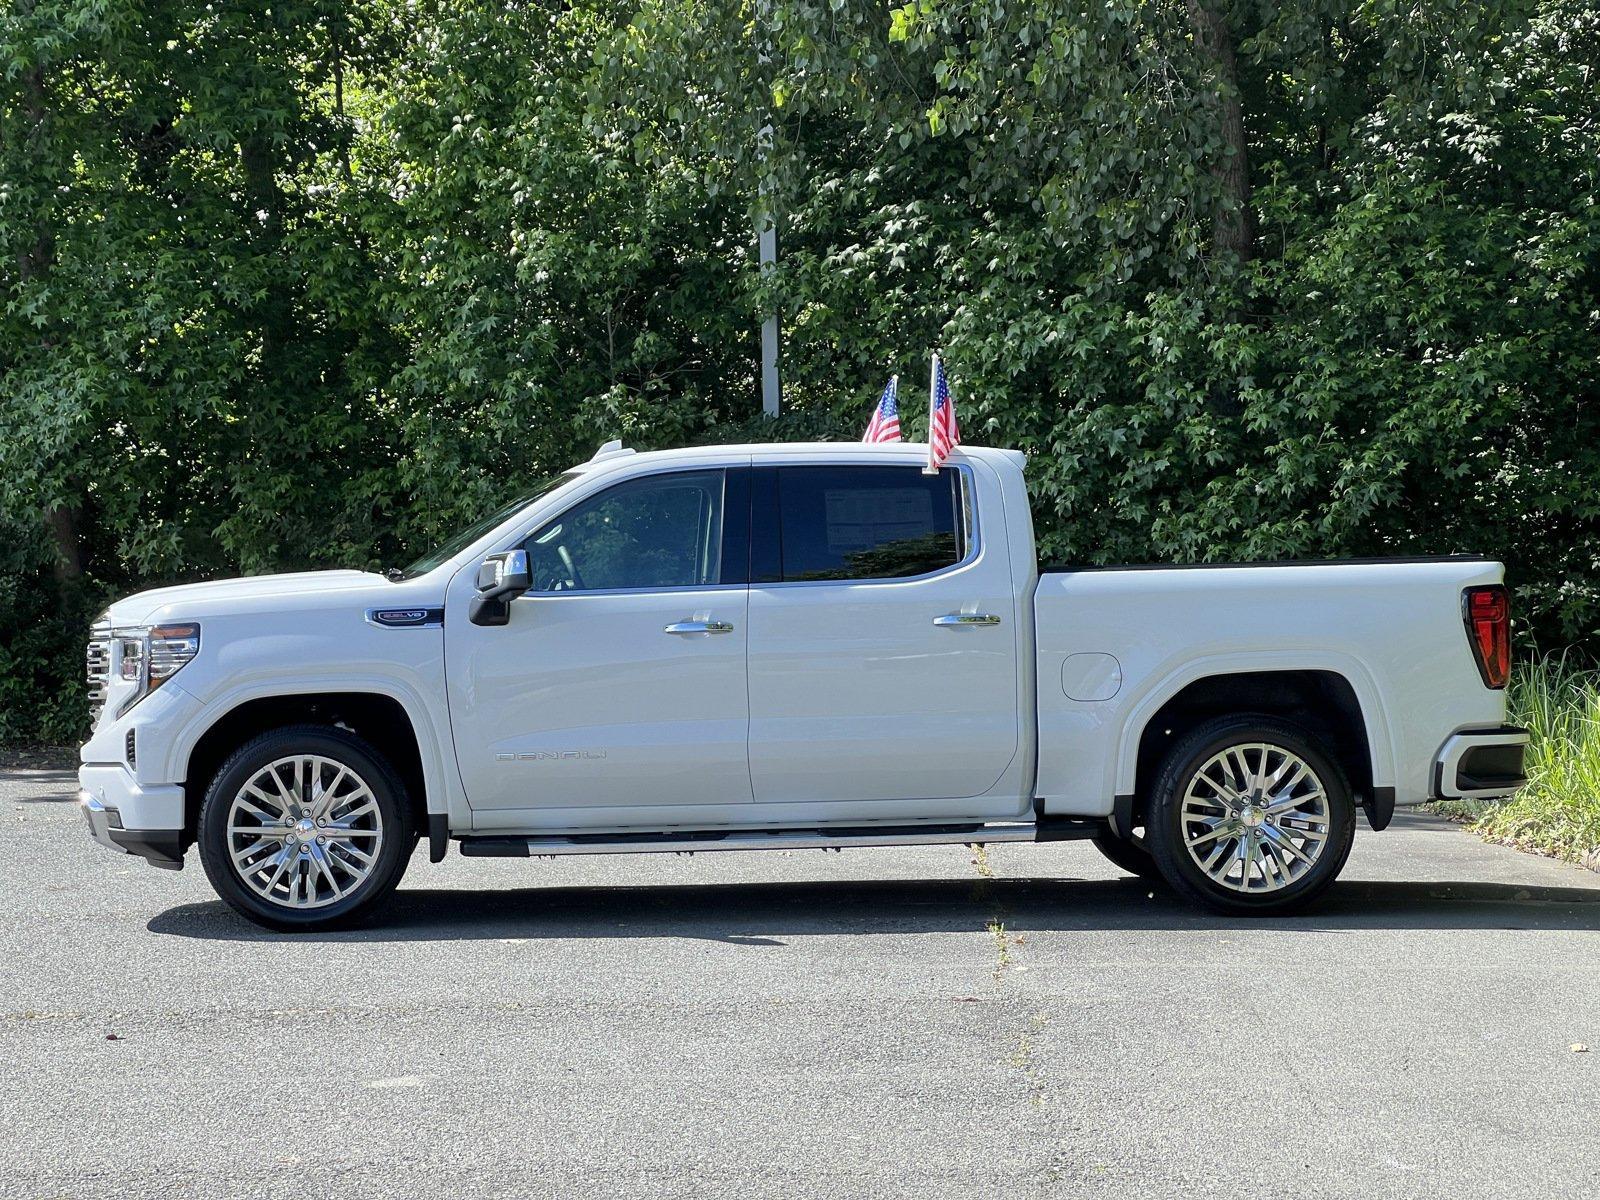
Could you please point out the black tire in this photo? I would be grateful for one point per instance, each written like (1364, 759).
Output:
(345, 749)
(1128, 853)
(1164, 833)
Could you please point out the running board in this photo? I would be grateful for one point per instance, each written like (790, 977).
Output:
(695, 841)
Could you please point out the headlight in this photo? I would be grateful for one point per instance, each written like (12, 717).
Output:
(150, 655)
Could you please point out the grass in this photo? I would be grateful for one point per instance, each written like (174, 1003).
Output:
(1558, 813)
(1002, 942)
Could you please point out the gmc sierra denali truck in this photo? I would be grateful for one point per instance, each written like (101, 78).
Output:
(788, 646)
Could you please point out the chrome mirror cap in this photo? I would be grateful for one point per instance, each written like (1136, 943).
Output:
(504, 574)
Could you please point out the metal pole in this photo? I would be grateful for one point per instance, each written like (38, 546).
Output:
(767, 231)
(771, 393)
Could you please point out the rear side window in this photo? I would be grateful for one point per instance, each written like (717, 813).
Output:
(869, 522)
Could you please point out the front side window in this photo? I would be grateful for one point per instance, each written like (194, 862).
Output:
(660, 531)
(869, 522)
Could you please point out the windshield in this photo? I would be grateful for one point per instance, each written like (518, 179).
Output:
(478, 528)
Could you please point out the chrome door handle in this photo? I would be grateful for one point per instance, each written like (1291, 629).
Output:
(699, 627)
(963, 620)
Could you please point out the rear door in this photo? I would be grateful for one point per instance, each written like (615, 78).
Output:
(882, 647)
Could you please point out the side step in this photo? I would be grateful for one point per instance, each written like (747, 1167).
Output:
(695, 841)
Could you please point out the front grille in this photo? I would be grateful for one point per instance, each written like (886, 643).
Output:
(98, 667)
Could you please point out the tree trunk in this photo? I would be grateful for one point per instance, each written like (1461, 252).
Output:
(1235, 228)
(34, 260)
(264, 203)
(63, 523)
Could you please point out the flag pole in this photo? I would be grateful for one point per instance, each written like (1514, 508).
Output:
(933, 400)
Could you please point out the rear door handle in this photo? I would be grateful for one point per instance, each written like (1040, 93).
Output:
(699, 627)
(963, 620)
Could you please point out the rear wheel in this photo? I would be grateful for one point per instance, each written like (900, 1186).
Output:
(305, 828)
(1250, 815)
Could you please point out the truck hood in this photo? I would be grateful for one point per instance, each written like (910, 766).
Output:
(234, 595)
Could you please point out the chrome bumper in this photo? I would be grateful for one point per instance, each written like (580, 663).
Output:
(162, 847)
(99, 818)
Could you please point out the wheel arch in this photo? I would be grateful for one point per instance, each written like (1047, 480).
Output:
(379, 717)
(1333, 701)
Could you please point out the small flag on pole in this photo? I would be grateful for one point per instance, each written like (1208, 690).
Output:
(944, 435)
(885, 423)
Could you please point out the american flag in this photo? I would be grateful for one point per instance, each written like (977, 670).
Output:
(885, 423)
(944, 435)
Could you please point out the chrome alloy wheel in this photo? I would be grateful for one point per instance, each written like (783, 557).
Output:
(304, 832)
(1255, 818)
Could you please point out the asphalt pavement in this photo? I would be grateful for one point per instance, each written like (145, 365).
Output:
(927, 1022)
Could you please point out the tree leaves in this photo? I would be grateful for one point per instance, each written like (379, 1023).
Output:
(314, 283)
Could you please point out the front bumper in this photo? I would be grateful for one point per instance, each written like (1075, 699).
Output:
(1480, 764)
(128, 818)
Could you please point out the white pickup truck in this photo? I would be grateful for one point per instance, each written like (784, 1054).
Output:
(788, 646)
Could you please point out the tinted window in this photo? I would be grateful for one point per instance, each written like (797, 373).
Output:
(656, 532)
(869, 522)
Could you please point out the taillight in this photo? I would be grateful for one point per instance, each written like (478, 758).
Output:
(1487, 612)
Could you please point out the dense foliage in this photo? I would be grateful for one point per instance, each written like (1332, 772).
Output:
(314, 282)
(1556, 698)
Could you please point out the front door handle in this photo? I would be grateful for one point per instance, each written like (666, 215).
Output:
(699, 627)
(963, 620)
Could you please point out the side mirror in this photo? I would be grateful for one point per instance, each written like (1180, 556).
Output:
(500, 578)
(502, 574)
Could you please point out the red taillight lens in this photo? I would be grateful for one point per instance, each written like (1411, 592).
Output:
(1487, 611)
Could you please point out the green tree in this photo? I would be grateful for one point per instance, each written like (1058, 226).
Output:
(1368, 329)
(553, 290)
(306, 284)
(190, 345)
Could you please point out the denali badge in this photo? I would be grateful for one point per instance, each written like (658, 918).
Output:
(542, 755)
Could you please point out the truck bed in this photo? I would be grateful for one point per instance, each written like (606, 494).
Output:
(1113, 645)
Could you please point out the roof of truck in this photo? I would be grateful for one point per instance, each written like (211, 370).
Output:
(890, 451)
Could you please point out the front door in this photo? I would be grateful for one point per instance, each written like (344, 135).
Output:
(619, 681)
(883, 644)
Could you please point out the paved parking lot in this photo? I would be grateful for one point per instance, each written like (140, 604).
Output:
(920, 1023)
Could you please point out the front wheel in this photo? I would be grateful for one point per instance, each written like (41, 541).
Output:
(1250, 815)
(305, 828)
